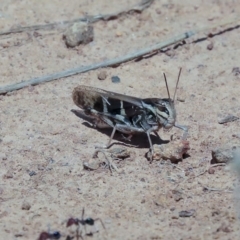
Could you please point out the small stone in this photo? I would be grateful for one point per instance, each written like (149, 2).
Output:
(26, 205)
(41, 167)
(158, 11)
(78, 33)
(30, 88)
(37, 34)
(237, 135)
(119, 34)
(142, 180)
(161, 200)
(211, 171)
(9, 174)
(175, 214)
(173, 150)
(224, 228)
(32, 173)
(6, 44)
(236, 71)
(3, 156)
(61, 55)
(90, 165)
(228, 118)
(170, 53)
(187, 213)
(181, 97)
(210, 46)
(40, 67)
(102, 75)
(177, 195)
(224, 154)
(115, 79)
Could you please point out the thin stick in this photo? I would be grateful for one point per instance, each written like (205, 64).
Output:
(116, 61)
(107, 63)
(166, 85)
(177, 84)
(90, 19)
(216, 189)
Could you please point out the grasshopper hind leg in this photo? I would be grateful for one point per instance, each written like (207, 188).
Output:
(130, 130)
(109, 141)
(126, 129)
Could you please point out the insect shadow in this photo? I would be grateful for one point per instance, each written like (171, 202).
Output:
(140, 142)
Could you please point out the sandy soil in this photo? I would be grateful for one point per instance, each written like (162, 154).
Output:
(43, 144)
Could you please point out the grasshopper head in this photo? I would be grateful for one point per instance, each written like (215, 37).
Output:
(165, 112)
(165, 109)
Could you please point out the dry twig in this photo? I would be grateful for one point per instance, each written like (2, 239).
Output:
(205, 188)
(117, 61)
(91, 19)
(107, 63)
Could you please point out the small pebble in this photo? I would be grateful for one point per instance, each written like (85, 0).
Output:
(223, 154)
(32, 173)
(142, 180)
(37, 34)
(78, 33)
(177, 195)
(90, 166)
(9, 174)
(26, 206)
(237, 135)
(210, 46)
(173, 151)
(115, 79)
(224, 228)
(236, 71)
(102, 75)
(3, 156)
(211, 171)
(228, 118)
(30, 88)
(161, 200)
(181, 97)
(175, 214)
(119, 34)
(187, 213)
(170, 53)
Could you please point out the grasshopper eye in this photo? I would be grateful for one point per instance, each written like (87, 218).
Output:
(163, 108)
(166, 111)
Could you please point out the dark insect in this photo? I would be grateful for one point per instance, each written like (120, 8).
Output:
(83, 222)
(47, 235)
(126, 114)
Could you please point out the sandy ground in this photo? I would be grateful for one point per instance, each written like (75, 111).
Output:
(43, 144)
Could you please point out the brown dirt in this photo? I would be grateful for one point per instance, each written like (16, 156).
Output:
(38, 131)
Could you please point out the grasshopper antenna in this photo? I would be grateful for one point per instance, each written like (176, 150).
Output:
(166, 85)
(177, 84)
